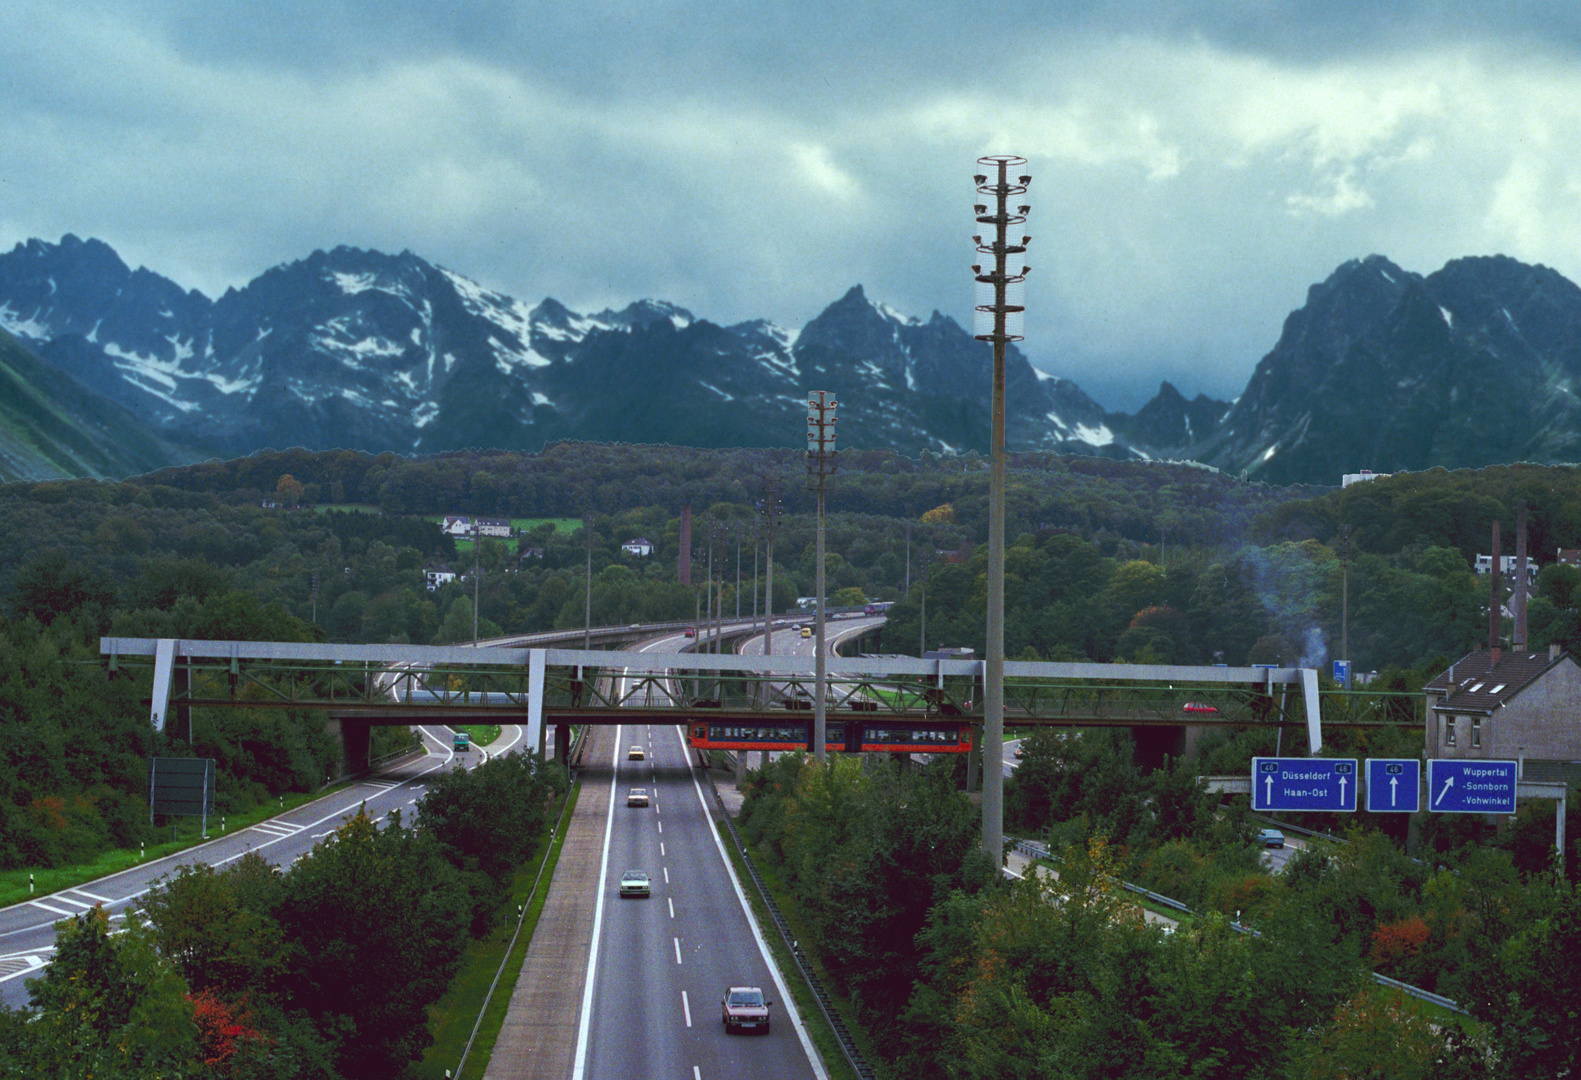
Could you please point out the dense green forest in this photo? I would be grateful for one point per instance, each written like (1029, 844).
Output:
(958, 974)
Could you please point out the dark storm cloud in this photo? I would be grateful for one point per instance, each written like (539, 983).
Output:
(1197, 165)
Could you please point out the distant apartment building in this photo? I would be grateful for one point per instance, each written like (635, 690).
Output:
(1347, 479)
(1506, 567)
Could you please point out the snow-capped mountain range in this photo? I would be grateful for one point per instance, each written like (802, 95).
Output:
(358, 349)
(1382, 369)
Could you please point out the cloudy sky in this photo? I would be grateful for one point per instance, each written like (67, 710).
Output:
(1196, 165)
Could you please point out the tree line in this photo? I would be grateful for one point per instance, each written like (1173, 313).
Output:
(957, 973)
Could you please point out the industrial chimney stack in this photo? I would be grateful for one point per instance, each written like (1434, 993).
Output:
(1518, 636)
(1495, 598)
(685, 557)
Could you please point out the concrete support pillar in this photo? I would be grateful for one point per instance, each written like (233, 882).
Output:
(763, 759)
(562, 742)
(741, 766)
(180, 686)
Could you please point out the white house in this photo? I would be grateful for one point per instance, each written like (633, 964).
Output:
(462, 526)
(641, 546)
(437, 574)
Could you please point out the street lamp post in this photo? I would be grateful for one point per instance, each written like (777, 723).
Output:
(477, 544)
(820, 465)
(1000, 319)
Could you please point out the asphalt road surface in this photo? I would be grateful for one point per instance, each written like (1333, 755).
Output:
(661, 965)
(27, 930)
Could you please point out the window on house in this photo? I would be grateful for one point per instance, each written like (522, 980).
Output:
(1449, 731)
(1476, 731)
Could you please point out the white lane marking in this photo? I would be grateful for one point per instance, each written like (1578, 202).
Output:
(660, 825)
(686, 1007)
(31, 964)
(666, 875)
(93, 896)
(763, 946)
(661, 849)
(278, 828)
(579, 1070)
(671, 901)
(51, 910)
(62, 898)
(677, 949)
(697, 1073)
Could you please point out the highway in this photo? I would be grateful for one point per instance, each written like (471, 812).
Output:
(27, 932)
(658, 967)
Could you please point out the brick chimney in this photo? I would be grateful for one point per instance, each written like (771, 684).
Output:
(1518, 635)
(1495, 598)
(685, 558)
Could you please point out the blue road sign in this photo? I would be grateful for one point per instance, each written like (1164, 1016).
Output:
(1342, 673)
(1281, 783)
(1460, 786)
(1394, 785)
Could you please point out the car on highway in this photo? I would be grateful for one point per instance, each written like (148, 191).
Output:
(635, 754)
(635, 883)
(691, 631)
(744, 1008)
(637, 796)
(1271, 838)
(1200, 707)
(806, 631)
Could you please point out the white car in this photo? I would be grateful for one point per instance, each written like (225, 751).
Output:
(635, 883)
(635, 754)
(637, 796)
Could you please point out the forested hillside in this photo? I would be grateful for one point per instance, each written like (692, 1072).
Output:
(1108, 561)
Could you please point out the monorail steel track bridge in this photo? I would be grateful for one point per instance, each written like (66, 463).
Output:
(545, 688)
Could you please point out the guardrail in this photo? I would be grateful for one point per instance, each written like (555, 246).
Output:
(1033, 850)
(853, 1054)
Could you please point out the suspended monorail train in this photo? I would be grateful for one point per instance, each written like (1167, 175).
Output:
(842, 735)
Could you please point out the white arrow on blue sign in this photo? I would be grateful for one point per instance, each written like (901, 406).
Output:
(1462, 786)
(1394, 785)
(1303, 783)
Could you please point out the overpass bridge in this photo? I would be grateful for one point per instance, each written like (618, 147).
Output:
(526, 680)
